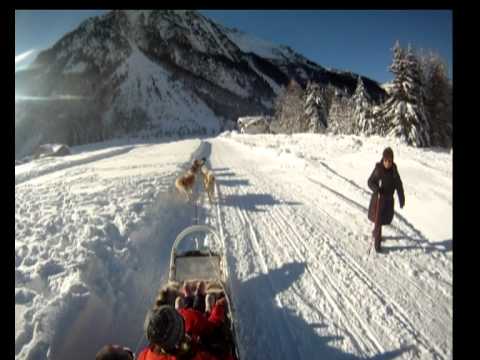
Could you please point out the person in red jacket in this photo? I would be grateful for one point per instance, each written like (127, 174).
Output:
(177, 335)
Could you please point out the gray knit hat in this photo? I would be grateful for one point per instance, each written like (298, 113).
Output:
(164, 327)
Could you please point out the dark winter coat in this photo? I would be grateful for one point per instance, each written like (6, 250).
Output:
(390, 181)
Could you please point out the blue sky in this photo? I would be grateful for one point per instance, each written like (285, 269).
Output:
(358, 41)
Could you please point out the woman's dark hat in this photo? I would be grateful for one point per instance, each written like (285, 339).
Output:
(164, 327)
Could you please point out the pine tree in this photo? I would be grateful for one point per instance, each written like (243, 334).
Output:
(315, 115)
(398, 68)
(397, 92)
(438, 100)
(362, 118)
(340, 115)
(289, 109)
(404, 114)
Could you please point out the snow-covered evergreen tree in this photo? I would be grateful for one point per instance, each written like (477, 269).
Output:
(362, 117)
(315, 114)
(327, 93)
(404, 113)
(340, 115)
(289, 109)
(438, 100)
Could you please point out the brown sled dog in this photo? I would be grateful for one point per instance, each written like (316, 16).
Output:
(184, 184)
(208, 182)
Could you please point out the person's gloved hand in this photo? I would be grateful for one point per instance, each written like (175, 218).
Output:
(221, 302)
(381, 190)
(402, 205)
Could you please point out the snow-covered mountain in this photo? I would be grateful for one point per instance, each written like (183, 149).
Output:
(168, 70)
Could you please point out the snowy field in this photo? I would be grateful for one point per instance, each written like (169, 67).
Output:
(93, 233)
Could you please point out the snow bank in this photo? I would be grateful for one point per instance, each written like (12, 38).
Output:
(92, 237)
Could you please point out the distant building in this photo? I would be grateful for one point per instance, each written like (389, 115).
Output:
(254, 124)
(51, 150)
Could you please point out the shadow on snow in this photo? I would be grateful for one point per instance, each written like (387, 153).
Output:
(253, 202)
(441, 246)
(270, 331)
(233, 182)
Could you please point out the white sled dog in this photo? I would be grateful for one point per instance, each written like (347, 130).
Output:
(184, 184)
(208, 182)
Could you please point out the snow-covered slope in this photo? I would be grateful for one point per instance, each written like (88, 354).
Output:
(249, 43)
(24, 60)
(93, 233)
(178, 104)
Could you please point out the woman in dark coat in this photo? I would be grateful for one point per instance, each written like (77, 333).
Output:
(383, 181)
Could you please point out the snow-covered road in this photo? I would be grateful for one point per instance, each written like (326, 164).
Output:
(282, 215)
(93, 236)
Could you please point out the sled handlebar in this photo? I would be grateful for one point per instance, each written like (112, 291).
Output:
(187, 231)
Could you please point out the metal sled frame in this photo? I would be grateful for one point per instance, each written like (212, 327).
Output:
(199, 264)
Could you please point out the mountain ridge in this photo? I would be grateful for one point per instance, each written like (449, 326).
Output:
(215, 76)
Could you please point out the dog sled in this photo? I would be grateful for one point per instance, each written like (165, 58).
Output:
(197, 255)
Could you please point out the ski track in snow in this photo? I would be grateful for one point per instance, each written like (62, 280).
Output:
(392, 309)
(281, 224)
(94, 231)
(400, 225)
(254, 239)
